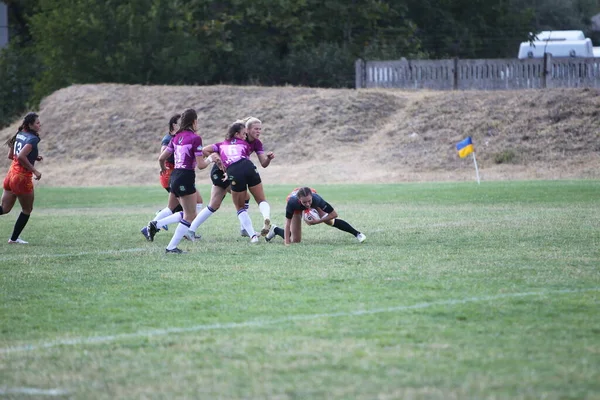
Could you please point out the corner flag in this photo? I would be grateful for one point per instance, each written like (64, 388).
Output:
(465, 147)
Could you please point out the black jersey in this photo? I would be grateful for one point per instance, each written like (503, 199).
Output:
(293, 204)
(24, 138)
(165, 142)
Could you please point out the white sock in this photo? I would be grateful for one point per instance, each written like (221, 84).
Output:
(181, 230)
(246, 207)
(198, 207)
(165, 212)
(246, 222)
(265, 209)
(171, 219)
(201, 217)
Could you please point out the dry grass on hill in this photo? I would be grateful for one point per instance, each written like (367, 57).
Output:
(110, 134)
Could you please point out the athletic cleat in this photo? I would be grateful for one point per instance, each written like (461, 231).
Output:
(243, 233)
(18, 241)
(361, 237)
(271, 233)
(176, 250)
(190, 235)
(144, 232)
(165, 227)
(254, 239)
(266, 227)
(152, 229)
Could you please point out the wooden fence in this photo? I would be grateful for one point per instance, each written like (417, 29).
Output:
(496, 74)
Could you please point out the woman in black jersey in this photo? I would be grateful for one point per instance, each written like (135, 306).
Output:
(18, 184)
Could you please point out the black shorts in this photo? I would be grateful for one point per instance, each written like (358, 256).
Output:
(243, 174)
(183, 182)
(216, 176)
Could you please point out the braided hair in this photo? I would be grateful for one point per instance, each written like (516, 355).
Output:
(304, 192)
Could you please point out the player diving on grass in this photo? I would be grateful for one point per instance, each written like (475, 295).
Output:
(298, 202)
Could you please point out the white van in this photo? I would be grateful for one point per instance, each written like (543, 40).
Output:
(560, 35)
(558, 48)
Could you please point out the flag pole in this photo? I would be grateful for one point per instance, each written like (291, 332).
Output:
(476, 169)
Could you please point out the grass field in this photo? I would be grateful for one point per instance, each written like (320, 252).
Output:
(459, 292)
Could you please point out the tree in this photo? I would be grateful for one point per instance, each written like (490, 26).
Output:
(470, 28)
(19, 63)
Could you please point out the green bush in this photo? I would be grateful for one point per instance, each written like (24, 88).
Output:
(505, 157)
(324, 65)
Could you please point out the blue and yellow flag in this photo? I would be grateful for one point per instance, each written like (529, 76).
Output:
(465, 147)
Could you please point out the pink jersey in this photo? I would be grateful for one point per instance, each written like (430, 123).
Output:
(256, 146)
(233, 150)
(185, 146)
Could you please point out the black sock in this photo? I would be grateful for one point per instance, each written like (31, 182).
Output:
(1, 210)
(344, 226)
(177, 209)
(19, 225)
(278, 231)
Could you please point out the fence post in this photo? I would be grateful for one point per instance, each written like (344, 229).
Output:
(360, 73)
(455, 74)
(544, 71)
(547, 79)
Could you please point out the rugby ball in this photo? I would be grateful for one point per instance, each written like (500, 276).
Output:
(311, 214)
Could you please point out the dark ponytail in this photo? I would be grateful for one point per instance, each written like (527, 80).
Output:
(234, 129)
(28, 121)
(187, 120)
(304, 192)
(174, 119)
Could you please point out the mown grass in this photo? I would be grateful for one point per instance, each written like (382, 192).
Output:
(460, 291)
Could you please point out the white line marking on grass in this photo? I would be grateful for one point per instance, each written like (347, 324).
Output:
(33, 391)
(264, 322)
(82, 253)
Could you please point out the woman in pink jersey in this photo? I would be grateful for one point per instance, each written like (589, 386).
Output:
(221, 185)
(164, 217)
(235, 152)
(186, 146)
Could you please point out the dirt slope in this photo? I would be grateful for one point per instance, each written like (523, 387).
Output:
(110, 134)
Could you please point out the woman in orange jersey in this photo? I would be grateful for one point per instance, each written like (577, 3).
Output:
(18, 183)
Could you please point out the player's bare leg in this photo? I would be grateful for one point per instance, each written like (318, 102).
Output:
(296, 228)
(8, 201)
